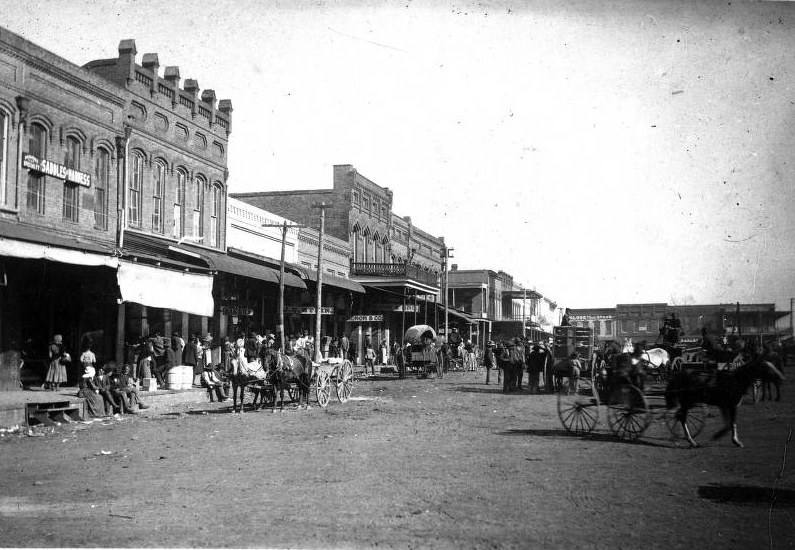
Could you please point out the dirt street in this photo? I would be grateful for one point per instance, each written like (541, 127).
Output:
(448, 463)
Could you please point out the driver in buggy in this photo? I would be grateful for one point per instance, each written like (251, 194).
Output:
(671, 330)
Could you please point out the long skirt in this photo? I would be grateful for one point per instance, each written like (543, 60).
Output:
(56, 373)
(94, 402)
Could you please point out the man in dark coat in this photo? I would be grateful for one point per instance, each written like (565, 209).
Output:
(489, 360)
(511, 361)
(536, 359)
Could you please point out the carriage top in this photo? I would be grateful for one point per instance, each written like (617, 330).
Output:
(419, 335)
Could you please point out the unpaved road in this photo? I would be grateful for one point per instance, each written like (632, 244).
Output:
(409, 464)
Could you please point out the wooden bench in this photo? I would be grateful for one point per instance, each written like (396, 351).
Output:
(51, 413)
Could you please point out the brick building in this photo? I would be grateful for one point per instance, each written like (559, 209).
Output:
(105, 171)
(397, 263)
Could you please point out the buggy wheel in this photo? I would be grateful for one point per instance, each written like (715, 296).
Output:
(628, 412)
(676, 366)
(696, 418)
(344, 381)
(323, 388)
(579, 413)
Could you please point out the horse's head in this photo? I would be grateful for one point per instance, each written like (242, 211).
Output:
(628, 346)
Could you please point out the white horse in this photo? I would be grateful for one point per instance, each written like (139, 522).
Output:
(656, 357)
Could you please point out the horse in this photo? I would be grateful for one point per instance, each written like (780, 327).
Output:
(243, 373)
(290, 369)
(567, 368)
(724, 389)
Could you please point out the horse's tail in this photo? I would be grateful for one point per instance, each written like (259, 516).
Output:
(774, 373)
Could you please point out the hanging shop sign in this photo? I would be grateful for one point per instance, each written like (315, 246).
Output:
(292, 310)
(50, 168)
(366, 319)
(237, 310)
(408, 308)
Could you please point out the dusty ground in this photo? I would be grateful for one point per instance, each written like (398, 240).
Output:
(409, 464)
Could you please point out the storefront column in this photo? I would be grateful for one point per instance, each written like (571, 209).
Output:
(120, 351)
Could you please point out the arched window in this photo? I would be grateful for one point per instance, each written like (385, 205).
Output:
(198, 206)
(71, 197)
(4, 120)
(158, 192)
(179, 204)
(215, 214)
(37, 146)
(136, 187)
(101, 189)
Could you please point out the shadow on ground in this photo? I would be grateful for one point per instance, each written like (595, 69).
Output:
(741, 494)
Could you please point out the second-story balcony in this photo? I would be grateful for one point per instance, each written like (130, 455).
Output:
(395, 275)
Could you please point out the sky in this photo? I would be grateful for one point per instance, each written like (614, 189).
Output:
(599, 152)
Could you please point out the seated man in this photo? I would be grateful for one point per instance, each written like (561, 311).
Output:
(118, 388)
(131, 390)
(104, 388)
(211, 381)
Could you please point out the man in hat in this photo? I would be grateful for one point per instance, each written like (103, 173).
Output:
(213, 383)
(536, 360)
(489, 361)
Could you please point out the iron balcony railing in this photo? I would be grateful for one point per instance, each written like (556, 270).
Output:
(397, 271)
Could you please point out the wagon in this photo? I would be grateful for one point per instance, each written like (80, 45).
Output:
(422, 357)
(337, 373)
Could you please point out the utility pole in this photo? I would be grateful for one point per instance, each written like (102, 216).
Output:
(284, 226)
(318, 316)
(446, 256)
(524, 301)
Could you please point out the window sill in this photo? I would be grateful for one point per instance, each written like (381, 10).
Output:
(8, 209)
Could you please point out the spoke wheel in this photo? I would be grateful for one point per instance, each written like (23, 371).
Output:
(628, 412)
(579, 412)
(344, 381)
(323, 388)
(696, 418)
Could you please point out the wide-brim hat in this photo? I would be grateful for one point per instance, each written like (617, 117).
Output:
(490, 343)
(90, 372)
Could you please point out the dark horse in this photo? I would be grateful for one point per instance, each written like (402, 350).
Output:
(626, 365)
(724, 389)
(285, 370)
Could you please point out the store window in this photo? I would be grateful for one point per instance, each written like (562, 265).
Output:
(70, 190)
(158, 192)
(101, 182)
(215, 214)
(136, 186)
(4, 118)
(198, 207)
(37, 146)
(179, 204)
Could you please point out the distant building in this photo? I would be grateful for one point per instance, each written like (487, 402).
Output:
(397, 263)
(643, 322)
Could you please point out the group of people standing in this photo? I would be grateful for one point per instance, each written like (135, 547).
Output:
(513, 358)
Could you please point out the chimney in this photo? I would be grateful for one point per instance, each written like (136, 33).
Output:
(208, 96)
(225, 106)
(127, 53)
(150, 62)
(172, 75)
(191, 87)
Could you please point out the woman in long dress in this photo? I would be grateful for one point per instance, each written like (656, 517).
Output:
(56, 372)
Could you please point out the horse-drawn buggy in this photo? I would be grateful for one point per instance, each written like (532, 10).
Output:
(422, 357)
(265, 381)
(681, 404)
